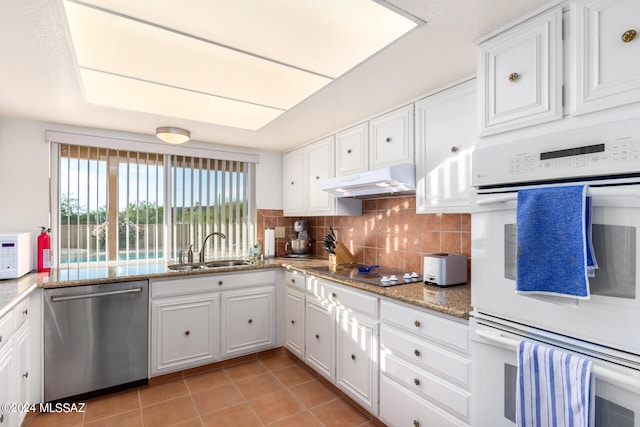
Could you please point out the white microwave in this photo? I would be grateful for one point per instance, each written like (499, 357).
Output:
(16, 255)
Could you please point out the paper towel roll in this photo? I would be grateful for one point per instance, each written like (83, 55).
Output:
(269, 243)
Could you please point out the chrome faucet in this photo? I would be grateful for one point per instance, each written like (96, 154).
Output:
(204, 243)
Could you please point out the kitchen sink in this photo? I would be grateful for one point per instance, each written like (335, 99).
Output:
(225, 263)
(220, 263)
(184, 267)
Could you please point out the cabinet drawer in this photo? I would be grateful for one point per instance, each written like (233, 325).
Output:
(331, 293)
(400, 407)
(449, 332)
(294, 279)
(7, 326)
(429, 386)
(359, 301)
(21, 312)
(208, 283)
(425, 355)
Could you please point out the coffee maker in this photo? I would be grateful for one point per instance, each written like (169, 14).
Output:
(299, 246)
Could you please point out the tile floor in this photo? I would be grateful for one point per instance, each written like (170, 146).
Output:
(269, 390)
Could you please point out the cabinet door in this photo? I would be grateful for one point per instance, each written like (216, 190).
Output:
(357, 359)
(352, 150)
(320, 166)
(248, 321)
(294, 322)
(607, 49)
(184, 333)
(391, 138)
(23, 359)
(520, 75)
(7, 381)
(446, 132)
(320, 338)
(294, 185)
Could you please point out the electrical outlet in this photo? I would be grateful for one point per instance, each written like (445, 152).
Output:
(279, 232)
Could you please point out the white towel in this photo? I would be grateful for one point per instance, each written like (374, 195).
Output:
(555, 389)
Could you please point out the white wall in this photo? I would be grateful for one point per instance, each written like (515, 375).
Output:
(24, 172)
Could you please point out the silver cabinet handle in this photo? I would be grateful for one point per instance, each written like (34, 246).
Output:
(96, 295)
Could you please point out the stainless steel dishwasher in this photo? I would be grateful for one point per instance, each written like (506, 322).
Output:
(95, 339)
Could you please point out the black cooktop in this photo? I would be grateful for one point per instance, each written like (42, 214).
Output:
(373, 276)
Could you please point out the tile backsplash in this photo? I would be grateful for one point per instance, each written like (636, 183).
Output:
(389, 233)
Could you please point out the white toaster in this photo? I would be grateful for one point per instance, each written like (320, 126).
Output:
(445, 269)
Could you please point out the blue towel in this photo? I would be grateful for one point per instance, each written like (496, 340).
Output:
(555, 253)
(554, 389)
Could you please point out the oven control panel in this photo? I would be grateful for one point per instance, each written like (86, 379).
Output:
(604, 151)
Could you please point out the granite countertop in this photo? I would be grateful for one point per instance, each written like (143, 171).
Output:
(12, 291)
(454, 301)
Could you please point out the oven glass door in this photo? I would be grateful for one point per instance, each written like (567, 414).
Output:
(494, 386)
(606, 318)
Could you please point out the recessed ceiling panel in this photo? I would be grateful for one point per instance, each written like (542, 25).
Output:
(258, 57)
(325, 36)
(131, 94)
(122, 46)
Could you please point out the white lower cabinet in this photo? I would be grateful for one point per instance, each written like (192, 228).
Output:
(341, 337)
(320, 337)
(294, 313)
(19, 358)
(184, 332)
(7, 379)
(190, 326)
(425, 368)
(357, 359)
(400, 407)
(248, 317)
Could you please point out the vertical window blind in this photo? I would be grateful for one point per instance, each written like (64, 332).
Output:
(111, 205)
(118, 206)
(210, 196)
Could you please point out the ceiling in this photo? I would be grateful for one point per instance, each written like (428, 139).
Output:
(38, 79)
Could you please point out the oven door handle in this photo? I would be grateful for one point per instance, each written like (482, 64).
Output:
(620, 380)
(592, 191)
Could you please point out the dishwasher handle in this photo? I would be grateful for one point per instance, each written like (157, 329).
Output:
(96, 295)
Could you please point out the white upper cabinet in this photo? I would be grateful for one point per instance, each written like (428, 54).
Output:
(446, 131)
(320, 166)
(520, 74)
(391, 138)
(606, 43)
(352, 150)
(304, 169)
(294, 185)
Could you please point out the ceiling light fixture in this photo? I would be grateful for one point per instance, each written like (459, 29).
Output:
(172, 135)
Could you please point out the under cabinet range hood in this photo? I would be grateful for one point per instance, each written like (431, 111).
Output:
(397, 180)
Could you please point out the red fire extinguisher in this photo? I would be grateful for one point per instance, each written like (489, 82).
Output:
(44, 251)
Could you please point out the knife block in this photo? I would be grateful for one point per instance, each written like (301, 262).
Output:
(342, 255)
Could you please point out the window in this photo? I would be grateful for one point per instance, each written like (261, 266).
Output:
(211, 196)
(116, 206)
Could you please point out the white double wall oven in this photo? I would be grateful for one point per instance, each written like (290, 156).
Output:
(604, 328)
